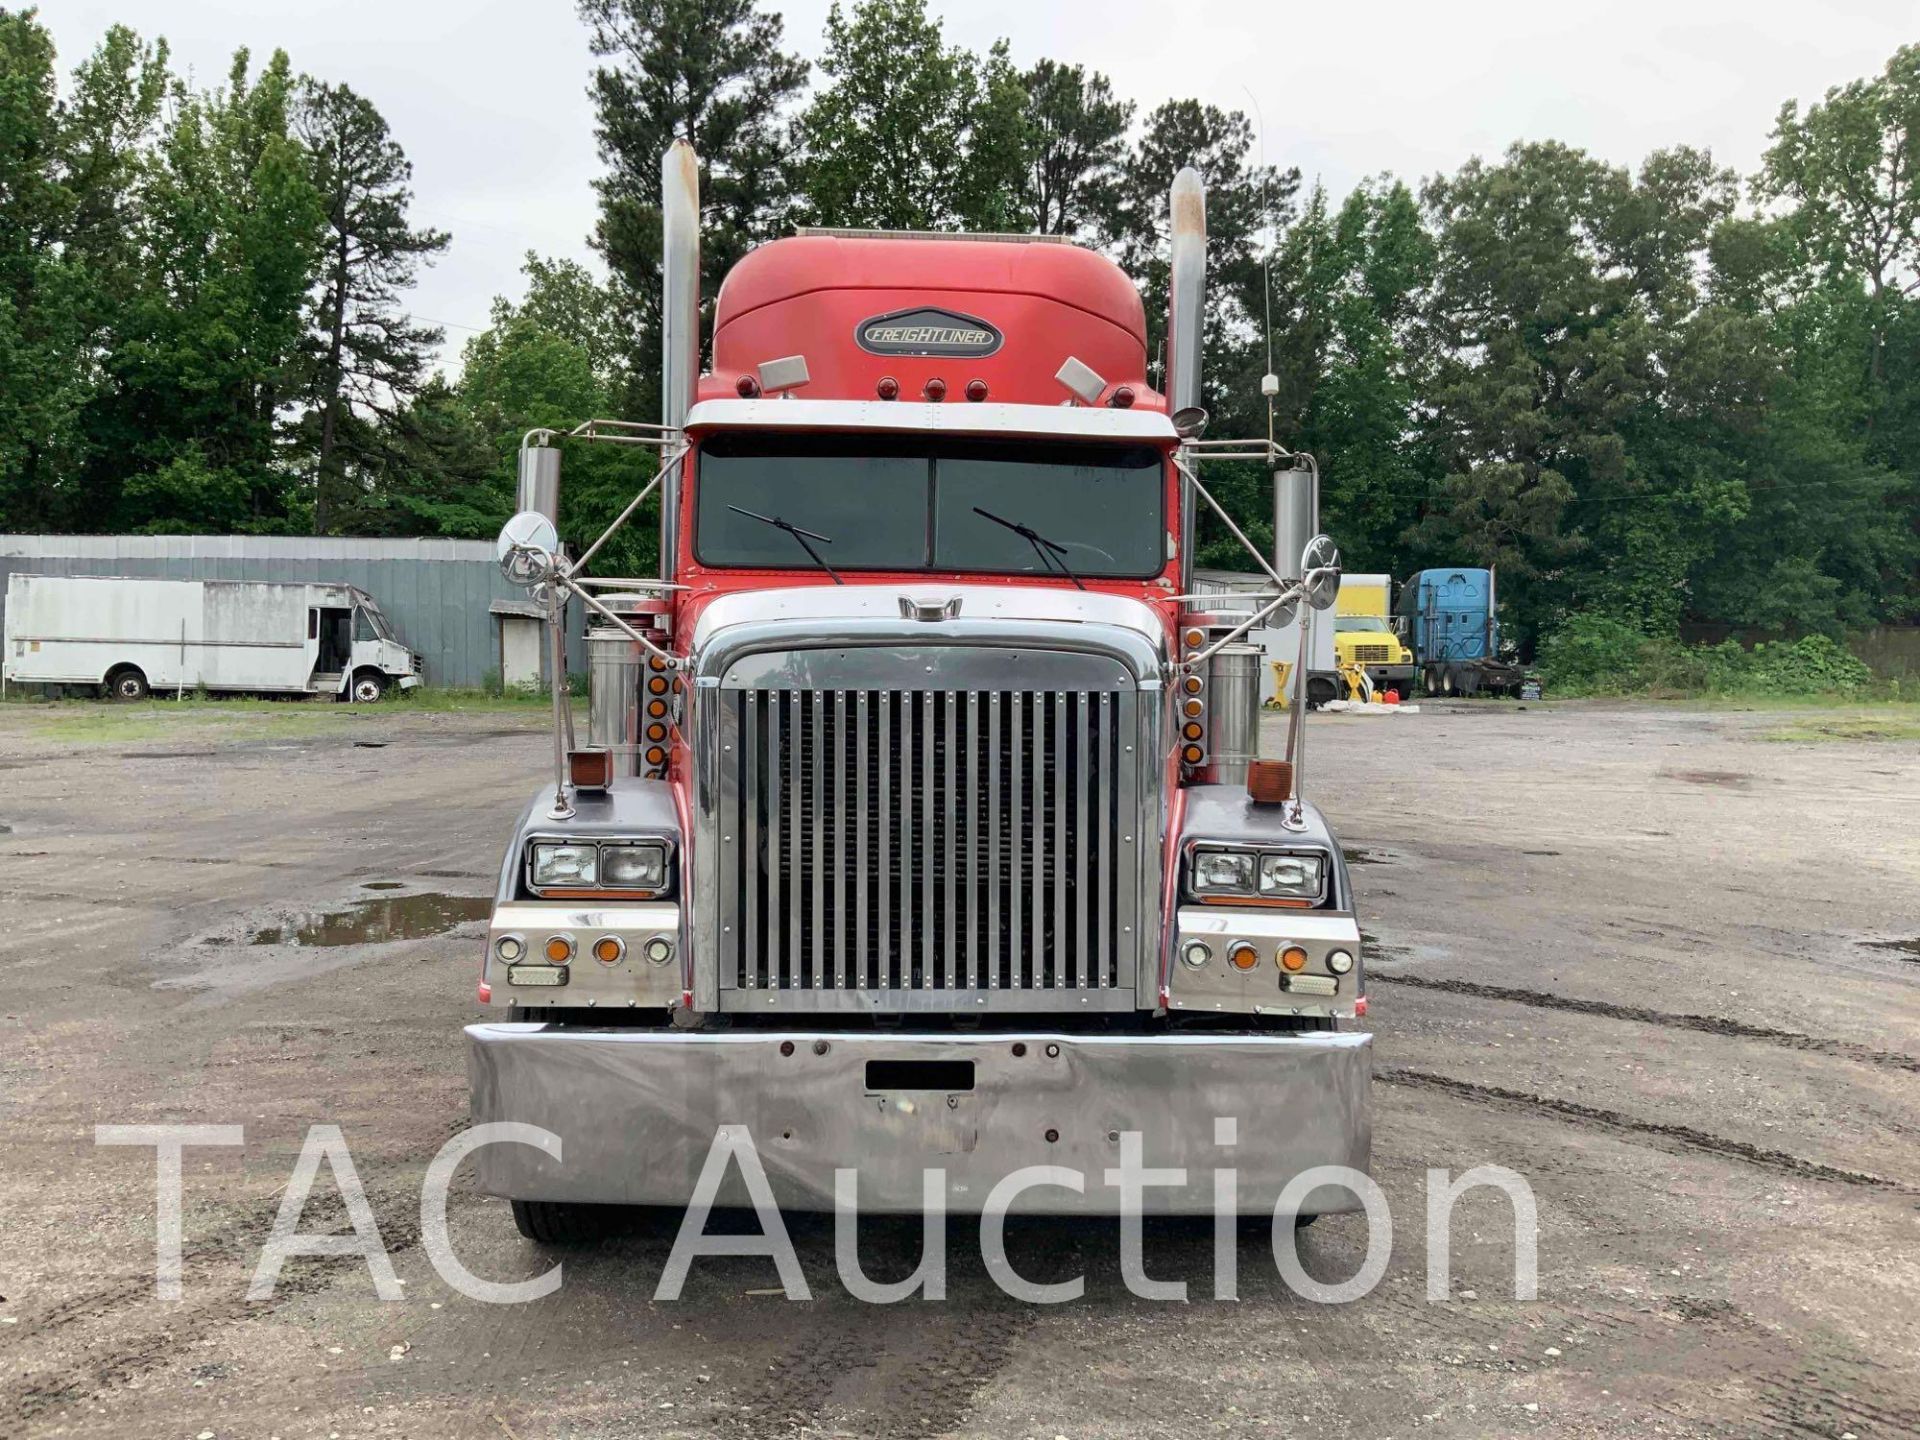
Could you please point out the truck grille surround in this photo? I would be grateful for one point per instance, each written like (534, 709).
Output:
(909, 849)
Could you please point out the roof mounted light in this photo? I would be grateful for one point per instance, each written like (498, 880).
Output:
(976, 390)
(1085, 383)
(888, 388)
(789, 372)
(747, 388)
(1122, 397)
(935, 390)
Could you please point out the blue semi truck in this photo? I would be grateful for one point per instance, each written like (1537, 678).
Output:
(1449, 619)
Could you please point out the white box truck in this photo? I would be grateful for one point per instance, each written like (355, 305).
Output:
(129, 636)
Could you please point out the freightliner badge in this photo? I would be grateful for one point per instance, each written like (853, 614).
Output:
(926, 331)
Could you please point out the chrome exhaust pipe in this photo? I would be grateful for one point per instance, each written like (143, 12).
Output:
(679, 316)
(1186, 322)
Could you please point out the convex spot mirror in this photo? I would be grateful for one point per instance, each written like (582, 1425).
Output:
(1320, 565)
(526, 549)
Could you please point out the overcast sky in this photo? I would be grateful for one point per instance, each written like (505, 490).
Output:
(488, 97)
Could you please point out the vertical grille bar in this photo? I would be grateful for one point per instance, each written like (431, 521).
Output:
(1017, 840)
(1064, 972)
(816, 837)
(1103, 827)
(883, 829)
(1087, 956)
(993, 841)
(862, 752)
(950, 846)
(774, 962)
(929, 804)
(752, 957)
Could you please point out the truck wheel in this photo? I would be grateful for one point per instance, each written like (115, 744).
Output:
(367, 688)
(126, 683)
(561, 1222)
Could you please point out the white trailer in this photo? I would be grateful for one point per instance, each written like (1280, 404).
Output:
(129, 636)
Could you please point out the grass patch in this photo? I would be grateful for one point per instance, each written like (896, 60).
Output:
(1889, 722)
(96, 722)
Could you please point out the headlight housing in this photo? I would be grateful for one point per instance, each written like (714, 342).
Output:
(632, 867)
(1257, 874)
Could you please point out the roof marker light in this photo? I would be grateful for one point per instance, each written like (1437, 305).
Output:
(748, 387)
(976, 390)
(936, 390)
(888, 388)
(1122, 398)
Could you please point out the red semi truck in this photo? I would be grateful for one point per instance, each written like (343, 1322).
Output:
(918, 823)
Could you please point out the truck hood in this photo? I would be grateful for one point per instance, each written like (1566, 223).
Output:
(937, 614)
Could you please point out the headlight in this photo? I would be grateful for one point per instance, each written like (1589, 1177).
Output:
(1297, 876)
(1223, 872)
(634, 867)
(1271, 875)
(565, 865)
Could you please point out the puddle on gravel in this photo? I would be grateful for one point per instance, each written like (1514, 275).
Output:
(1732, 778)
(1907, 949)
(1367, 857)
(376, 922)
(384, 885)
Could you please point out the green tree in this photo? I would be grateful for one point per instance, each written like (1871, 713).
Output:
(910, 133)
(365, 356)
(205, 364)
(39, 320)
(711, 72)
(540, 365)
(1077, 137)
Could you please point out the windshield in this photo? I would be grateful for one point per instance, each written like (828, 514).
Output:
(1360, 622)
(916, 503)
(371, 619)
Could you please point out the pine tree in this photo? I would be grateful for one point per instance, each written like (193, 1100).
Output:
(365, 356)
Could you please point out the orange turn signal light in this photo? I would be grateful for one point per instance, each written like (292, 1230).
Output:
(559, 949)
(607, 949)
(1243, 956)
(1293, 958)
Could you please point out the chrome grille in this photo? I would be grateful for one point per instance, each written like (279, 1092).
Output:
(947, 847)
(1373, 654)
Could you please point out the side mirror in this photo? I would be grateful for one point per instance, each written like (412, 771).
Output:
(1320, 565)
(528, 548)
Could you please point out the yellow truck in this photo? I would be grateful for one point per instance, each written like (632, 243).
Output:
(1363, 636)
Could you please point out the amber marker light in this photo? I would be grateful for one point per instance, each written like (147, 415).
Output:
(1292, 958)
(1193, 708)
(1242, 956)
(559, 949)
(609, 949)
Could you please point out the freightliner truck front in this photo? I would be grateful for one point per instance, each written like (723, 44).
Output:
(918, 821)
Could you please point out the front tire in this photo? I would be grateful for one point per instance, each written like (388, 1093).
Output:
(562, 1222)
(127, 685)
(369, 687)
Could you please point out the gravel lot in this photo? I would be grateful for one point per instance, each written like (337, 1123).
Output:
(1639, 954)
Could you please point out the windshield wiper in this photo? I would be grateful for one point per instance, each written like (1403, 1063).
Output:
(1050, 554)
(803, 536)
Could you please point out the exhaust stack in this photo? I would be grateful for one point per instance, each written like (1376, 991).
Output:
(679, 316)
(1186, 319)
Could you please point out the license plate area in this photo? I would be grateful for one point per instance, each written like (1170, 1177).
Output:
(536, 975)
(946, 1077)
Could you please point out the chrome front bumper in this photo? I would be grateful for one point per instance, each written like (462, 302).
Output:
(637, 1111)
